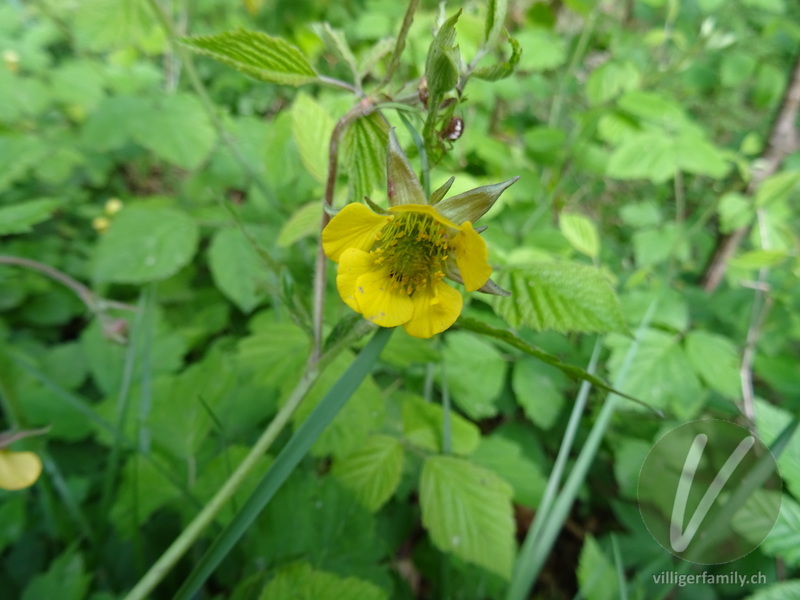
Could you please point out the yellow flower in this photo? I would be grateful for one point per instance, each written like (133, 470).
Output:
(392, 263)
(18, 470)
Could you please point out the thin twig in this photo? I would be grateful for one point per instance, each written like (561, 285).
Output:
(783, 140)
(400, 45)
(92, 301)
(361, 109)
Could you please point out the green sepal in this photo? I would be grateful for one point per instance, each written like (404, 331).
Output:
(375, 208)
(437, 196)
(402, 182)
(444, 59)
(331, 210)
(473, 204)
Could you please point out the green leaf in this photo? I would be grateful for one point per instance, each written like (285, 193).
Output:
(495, 19)
(735, 211)
(544, 49)
(502, 69)
(756, 516)
(558, 295)
(103, 25)
(467, 511)
(475, 372)
(145, 243)
(21, 217)
(758, 259)
(257, 54)
(506, 458)
(539, 391)
(611, 79)
(300, 581)
(237, 270)
(303, 223)
(337, 43)
(660, 373)
(312, 127)
(784, 590)
(573, 372)
(596, 575)
(442, 64)
(778, 188)
(364, 153)
(423, 424)
(581, 232)
(373, 471)
(142, 491)
(65, 579)
(716, 361)
(177, 129)
(770, 421)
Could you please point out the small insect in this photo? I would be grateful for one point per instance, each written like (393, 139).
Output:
(453, 130)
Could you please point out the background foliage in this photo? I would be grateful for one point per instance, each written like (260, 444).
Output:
(636, 127)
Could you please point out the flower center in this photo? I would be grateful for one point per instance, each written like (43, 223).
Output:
(413, 246)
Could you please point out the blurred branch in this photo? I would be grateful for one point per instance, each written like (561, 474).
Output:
(92, 301)
(783, 140)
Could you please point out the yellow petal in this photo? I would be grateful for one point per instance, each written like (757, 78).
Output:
(353, 263)
(435, 309)
(426, 210)
(18, 470)
(471, 256)
(355, 226)
(380, 302)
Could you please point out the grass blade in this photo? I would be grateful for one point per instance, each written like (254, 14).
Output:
(291, 455)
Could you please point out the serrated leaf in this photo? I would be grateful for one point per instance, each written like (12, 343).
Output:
(22, 216)
(303, 223)
(784, 590)
(770, 421)
(145, 243)
(558, 295)
(660, 373)
(475, 374)
(373, 471)
(596, 574)
(257, 54)
(300, 581)
(237, 270)
(581, 232)
(337, 43)
(778, 188)
(467, 511)
(757, 516)
(423, 423)
(365, 144)
(735, 211)
(571, 371)
(502, 69)
(495, 19)
(538, 391)
(177, 129)
(506, 458)
(312, 127)
(716, 361)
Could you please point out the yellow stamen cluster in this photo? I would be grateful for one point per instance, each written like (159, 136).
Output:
(414, 247)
